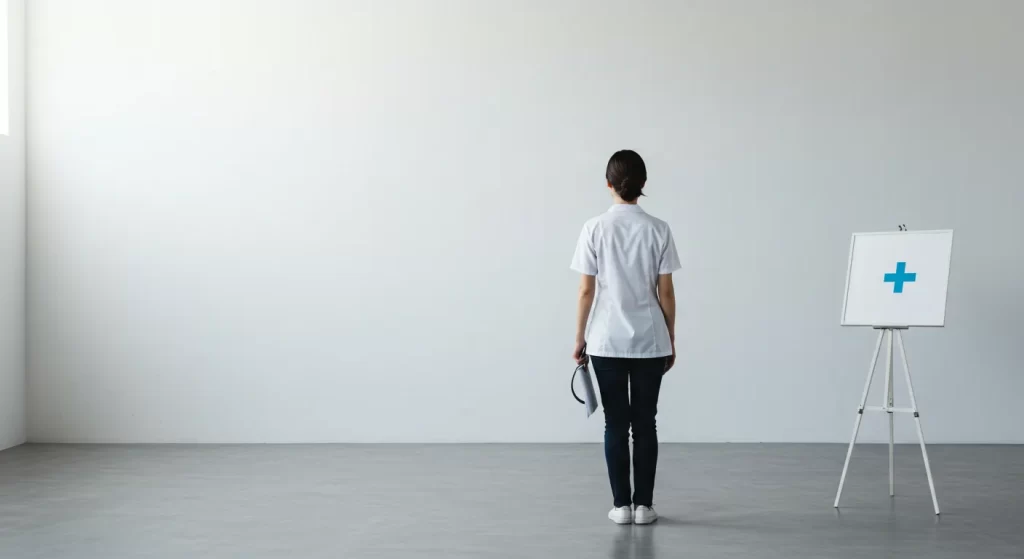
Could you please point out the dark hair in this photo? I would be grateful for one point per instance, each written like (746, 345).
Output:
(627, 174)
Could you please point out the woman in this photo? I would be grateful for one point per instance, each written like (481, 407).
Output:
(626, 258)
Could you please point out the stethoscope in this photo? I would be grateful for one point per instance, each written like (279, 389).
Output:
(572, 381)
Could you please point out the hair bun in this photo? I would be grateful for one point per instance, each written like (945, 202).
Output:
(630, 188)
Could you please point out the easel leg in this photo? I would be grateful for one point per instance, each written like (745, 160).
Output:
(917, 421)
(887, 403)
(860, 416)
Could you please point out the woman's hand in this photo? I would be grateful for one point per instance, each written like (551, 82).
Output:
(579, 354)
(671, 360)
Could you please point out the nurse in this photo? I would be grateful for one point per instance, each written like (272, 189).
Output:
(625, 322)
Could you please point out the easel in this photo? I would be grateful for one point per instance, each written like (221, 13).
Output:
(887, 333)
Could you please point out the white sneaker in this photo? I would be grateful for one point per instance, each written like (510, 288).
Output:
(646, 515)
(621, 515)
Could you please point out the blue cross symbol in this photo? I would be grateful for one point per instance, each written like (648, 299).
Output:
(900, 277)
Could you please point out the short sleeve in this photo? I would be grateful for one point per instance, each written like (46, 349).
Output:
(669, 257)
(584, 260)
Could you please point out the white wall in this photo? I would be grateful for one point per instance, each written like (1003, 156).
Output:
(12, 234)
(320, 220)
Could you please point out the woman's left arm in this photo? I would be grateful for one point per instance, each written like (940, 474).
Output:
(586, 300)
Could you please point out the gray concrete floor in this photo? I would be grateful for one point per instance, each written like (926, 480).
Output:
(747, 501)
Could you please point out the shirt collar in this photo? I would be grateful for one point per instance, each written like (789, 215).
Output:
(632, 208)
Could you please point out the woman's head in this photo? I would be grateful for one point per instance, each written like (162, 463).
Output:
(626, 175)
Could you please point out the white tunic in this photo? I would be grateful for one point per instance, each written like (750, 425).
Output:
(627, 250)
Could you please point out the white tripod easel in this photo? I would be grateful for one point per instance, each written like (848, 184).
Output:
(886, 333)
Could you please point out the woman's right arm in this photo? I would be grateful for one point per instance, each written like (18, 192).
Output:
(667, 300)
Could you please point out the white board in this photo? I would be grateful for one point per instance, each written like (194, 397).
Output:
(898, 278)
